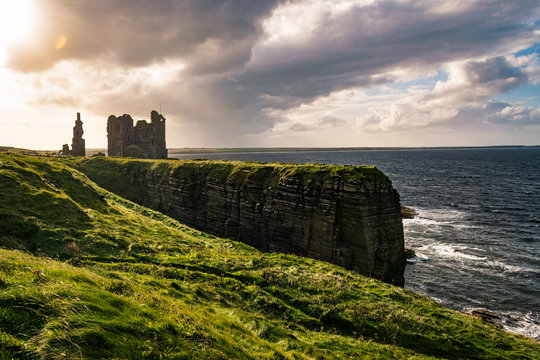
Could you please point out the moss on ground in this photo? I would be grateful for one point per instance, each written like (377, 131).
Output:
(85, 274)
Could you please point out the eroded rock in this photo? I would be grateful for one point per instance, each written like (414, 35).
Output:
(408, 213)
(409, 253)
(350, 221)
(488, 317)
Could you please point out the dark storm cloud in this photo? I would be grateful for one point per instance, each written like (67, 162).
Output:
(358, 47)
(140, 32)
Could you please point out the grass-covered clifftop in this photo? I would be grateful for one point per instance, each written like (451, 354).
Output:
(85, 274)
(115, 173)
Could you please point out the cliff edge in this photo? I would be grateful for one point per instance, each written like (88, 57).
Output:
(346, 215)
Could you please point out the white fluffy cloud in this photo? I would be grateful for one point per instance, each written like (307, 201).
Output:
(515, 115)
(466, 92)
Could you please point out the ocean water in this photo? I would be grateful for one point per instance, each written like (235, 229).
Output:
(477, 235)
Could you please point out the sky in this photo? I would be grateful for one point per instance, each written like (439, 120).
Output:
(273, 73)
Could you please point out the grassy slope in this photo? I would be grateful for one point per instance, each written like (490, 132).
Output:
(105, 278)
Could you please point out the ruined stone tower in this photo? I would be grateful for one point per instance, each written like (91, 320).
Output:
(144, 140)
(78, 146)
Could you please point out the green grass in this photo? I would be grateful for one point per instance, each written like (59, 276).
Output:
(116, 174)
(85, 274)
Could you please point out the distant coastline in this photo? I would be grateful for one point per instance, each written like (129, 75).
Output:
(307, 149)
(207, 150)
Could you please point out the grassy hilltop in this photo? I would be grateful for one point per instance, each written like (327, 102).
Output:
(85, 274)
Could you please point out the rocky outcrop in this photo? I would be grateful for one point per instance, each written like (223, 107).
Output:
(408, 213)
(488, 317)
(409, 253)
(349, 216)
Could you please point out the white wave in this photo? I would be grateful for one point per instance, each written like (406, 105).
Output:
(467, 226)
(521, 324)
(456, 252)
(423, 221)
(439, 217)
(464, 252)
(518, 323)
(443, 215)
(507, 268)
(417, 258)
(434, 298)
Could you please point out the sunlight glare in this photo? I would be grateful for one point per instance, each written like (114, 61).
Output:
(16, 20)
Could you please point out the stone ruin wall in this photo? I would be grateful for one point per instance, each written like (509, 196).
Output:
(78, 144)
(144, 140)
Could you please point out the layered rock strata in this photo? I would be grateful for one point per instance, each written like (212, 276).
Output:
(346, 215)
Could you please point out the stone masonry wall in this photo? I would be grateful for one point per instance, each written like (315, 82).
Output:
(144, 140)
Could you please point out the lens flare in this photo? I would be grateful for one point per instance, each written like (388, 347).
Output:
(60, 42)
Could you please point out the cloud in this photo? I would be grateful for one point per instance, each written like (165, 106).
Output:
(323, 123)
(515, 115)
(301, 127)
(237, 67)
(136, 33)
(361, 46)
(330, 121)
(464, 96)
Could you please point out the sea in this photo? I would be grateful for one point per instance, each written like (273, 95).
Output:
(477, 233)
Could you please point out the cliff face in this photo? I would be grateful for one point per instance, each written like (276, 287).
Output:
(349, 216)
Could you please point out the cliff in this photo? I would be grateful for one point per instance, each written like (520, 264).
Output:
(86, 274)
(346, 215)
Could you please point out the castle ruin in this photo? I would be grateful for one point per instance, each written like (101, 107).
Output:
(143, 140)
(78, 144)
